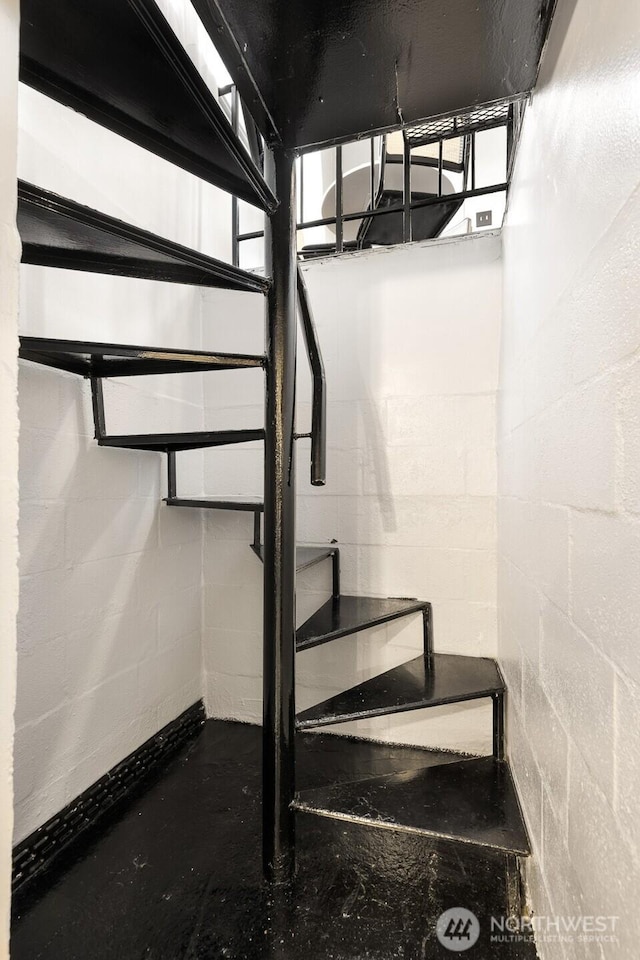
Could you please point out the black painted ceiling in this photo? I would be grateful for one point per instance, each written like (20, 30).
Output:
(320, 70)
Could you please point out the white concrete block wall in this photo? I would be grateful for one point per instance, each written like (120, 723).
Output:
(110, 613)
(568, 441)
(410, 343)
(9, 284)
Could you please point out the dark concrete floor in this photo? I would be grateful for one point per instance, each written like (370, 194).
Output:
(178, 875)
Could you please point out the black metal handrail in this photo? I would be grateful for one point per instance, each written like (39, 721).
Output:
(319, 398)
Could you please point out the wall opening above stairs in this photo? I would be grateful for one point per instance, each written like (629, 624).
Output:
(441, 178)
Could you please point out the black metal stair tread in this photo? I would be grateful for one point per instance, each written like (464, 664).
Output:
(252, 504)
(120, 360)
(344, 615)
(57, 232)
(419, 683)
(120, 63)
(306, 555)
(472, 801)
(164, 442)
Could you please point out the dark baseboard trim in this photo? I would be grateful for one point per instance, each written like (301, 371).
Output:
(34, 856)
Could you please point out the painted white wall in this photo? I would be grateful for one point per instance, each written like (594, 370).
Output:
(9, 273)
(109, 628)
(410, 341)
(569, 462)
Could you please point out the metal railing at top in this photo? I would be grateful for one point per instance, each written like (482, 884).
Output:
(424, 144)
(446, 144)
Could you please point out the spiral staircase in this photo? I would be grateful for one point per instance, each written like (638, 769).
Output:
(120, 63)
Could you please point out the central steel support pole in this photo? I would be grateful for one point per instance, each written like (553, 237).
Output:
(279, 549)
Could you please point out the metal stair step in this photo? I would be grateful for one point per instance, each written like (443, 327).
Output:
(419, 683)
(57, 232)
(344, 615)
(121, 64)
(166, 442)
(119, 360)
(472, 800)
(249, 504)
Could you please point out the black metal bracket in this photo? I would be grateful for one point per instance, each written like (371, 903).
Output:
(498, 725)
(335, 571)
(257, 533)
(97, 398)
(171, 475)
(427, 631)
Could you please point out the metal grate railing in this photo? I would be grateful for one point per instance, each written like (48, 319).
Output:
(442, 128)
